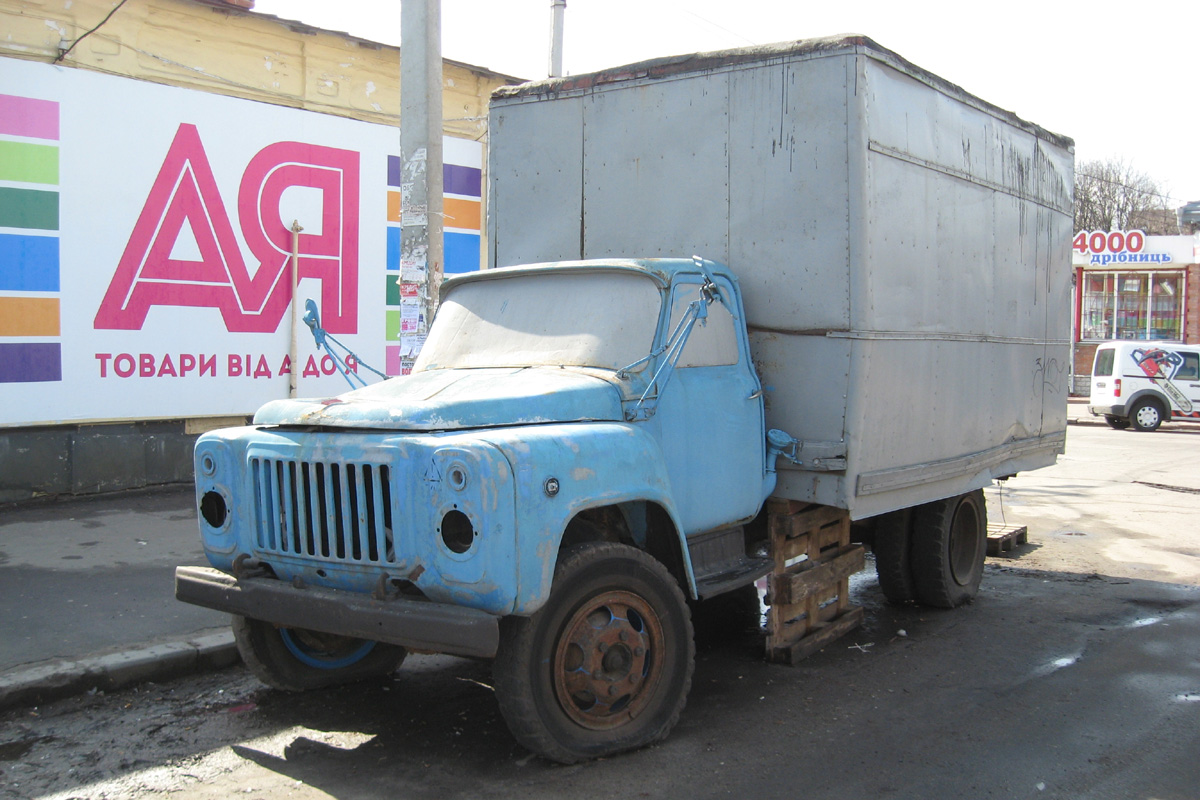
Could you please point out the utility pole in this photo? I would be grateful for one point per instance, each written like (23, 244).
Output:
(421, 251)
(557, 10)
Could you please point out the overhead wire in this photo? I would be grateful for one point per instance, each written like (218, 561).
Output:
(63, 54)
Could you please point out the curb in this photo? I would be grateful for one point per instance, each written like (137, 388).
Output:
(41, 683)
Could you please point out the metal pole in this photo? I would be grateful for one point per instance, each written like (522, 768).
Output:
(421, 250)
(293, 349)
(557, 9)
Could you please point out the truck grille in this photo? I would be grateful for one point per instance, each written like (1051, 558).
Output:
(336, 512)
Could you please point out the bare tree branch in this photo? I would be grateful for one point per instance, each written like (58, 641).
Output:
(1111, 195)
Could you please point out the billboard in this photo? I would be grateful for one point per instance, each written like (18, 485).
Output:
(146, 240)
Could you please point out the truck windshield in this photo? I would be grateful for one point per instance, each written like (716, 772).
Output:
(586, 319)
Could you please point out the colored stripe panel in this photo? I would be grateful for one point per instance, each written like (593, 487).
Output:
(28, 208)
(393, 364)
(30, 363)
(392, 292)
(393, 248)
(456, 179)
(461, 213)
(462, 180)
(392, 325)
(28, 263)
(30, 163)
(394, 171)
(28, 116)
(461, 252)
(29, 316)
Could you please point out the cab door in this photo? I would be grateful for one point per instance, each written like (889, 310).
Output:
(711, 416)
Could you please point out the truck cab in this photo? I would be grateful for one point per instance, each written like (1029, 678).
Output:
(601, 418)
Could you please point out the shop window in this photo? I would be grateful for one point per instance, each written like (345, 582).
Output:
(1132, 305)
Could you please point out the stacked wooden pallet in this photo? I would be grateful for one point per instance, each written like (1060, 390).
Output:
(1005, 537)
(809, 590)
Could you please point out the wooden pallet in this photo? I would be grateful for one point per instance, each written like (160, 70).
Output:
(1005, 537)
(809, 589)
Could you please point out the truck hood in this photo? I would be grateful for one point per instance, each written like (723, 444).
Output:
(455, 399)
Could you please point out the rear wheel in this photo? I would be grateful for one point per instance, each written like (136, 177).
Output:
(949, 544)
(1116, 423)
(892, 547)
(296, 660)
(1146, 415)
(605, 665)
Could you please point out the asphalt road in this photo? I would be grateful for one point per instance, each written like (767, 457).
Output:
(1076, 674)
(96, 575)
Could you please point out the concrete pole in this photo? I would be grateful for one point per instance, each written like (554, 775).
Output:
(557, 10)
(421, 251)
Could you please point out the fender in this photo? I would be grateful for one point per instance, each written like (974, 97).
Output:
(1167, 405)
(563, 469)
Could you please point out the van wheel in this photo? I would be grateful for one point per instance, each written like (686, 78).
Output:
(892, 547)
(297, 660)
(1116, 423)
(1146, 415)
(605, 665)
(949, 544)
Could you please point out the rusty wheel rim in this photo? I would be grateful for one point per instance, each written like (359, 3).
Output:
(608, 661)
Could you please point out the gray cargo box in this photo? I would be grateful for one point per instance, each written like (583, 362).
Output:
(903, 246)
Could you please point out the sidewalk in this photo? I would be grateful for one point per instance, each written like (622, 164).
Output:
(87, 596)
(1077, 412)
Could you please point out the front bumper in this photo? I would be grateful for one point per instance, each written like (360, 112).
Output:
(416, 624)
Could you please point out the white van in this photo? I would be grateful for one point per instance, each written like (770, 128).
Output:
(1142, 384)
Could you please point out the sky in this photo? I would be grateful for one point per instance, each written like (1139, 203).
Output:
(1122, 84)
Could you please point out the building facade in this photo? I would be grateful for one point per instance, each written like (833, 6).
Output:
(1132, 286)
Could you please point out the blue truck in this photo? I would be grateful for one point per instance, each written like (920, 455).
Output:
(876, 325)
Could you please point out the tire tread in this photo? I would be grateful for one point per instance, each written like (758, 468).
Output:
(893, 547)
(263, 652)
(512, 667)
(932, 574)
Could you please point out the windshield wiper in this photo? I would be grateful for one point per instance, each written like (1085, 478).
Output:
(697, 311)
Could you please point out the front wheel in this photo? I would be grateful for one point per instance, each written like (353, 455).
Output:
(949, 545)
(605, 665)
(1146, 415)
(297, 660)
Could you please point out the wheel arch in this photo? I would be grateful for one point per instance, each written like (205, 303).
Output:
(1141, 394)
(573, 481)
(644, 524)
